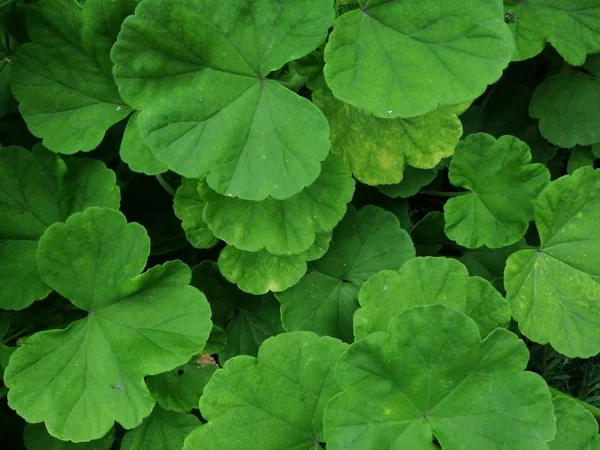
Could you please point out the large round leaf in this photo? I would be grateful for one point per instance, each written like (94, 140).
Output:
(272, 402)
(63, 79)
(197, 69)
(568, 106)
(38, 189)
(431, 376)
(82, 379)
(427, 281)
(503, 185)
(458, 47)
(378, 151)
(554, 291)
(282, 227)
(572, 27)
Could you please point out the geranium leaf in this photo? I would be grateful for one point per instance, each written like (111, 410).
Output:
(364, 243)
(36, 437)
(580, 157)
(162, 430)
(136, 154)
(576, 428)
(189, 208)
(554, 290)
(137, 325)
(282, 227)
(417, 382)
(412, 182)
(38, 189)
(573, 28)
(62, 78)
(372, 52)
(567, 106)
(208, 108)
(247, 319)
(503, 185)
(428, 281)
(276, 399)
(379, 150)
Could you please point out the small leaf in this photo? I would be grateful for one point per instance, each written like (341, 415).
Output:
(189, 208)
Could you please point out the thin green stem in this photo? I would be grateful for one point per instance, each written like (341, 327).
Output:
(17, 334)
(166, 186)
(591, 408)
(443, 194)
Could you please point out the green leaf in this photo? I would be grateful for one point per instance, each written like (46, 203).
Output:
(208, 108)
(364, 243)
(412, 182)
(580, 157)
(379, 150)
(503, 185)
(428, 281)
(573, 27)
(36, 190)
(136, 154)
(567, 105)
(179, 390)
(282, 227)
(428, 234)
(36, 437)
(417, 381)
(576, 428)
(162, 430)
(554, 291)
(260, 272)
(247, 319)
(276, 399)
(489, 263)
(459, 48)
(62, 79)
(82, 379)
(189, 207)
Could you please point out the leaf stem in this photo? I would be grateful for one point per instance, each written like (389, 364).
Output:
(166, 186)
(591, 408)
(17, 334)
(443, 194)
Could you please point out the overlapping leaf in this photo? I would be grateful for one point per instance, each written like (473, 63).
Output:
(80, 380)
(36, 437)
(458, 47)
(554, 291)
(378, 151)
(63, 79)
(503, 185)
(428, 281)
(364, 243)
(273, 402)
(38, 189)
(421, 381)
(189, 208)
(576, 428)
(198, 71)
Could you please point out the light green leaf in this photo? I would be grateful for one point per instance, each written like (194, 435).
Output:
(162, 430)
(418, 382)
(36, 437)
(82, 379)
(136, 154)
(568, 106)
(428, 281)
(554, 291)
(247, 319)
(576, 428)
(198, 72)
(62, 79)
(276, 399)
(36, 190)
(503, 185)
(364, 243)
(282, 227)
(459, 48)
(189, 208)
(179, 390)
(260, 272)
(573, 27)
(379, 150)
(412, 182)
